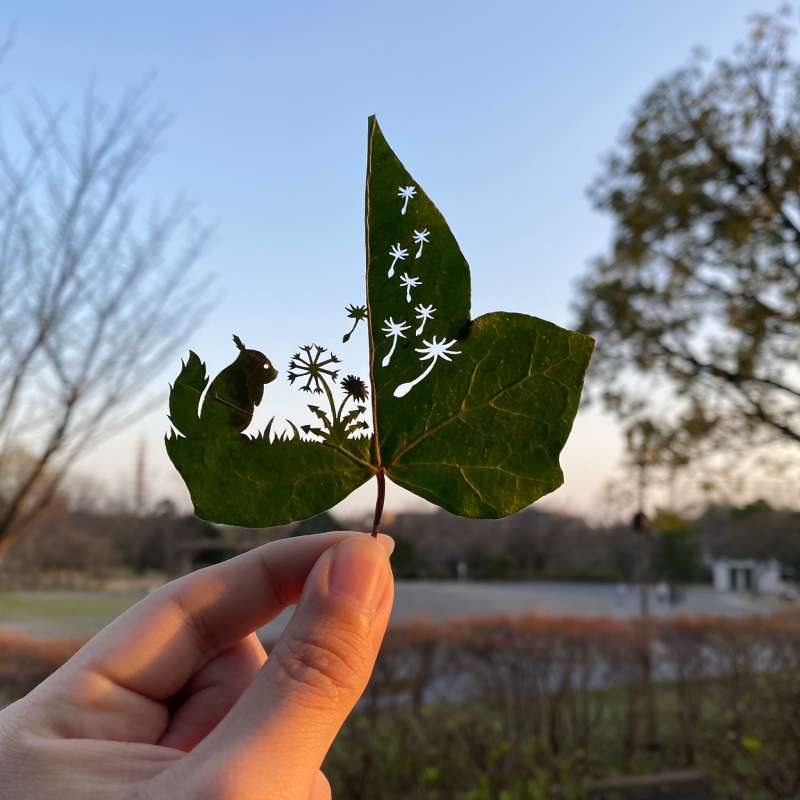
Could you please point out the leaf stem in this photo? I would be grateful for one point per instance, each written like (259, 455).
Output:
(381, 476)
(332, 404)
(376, 438)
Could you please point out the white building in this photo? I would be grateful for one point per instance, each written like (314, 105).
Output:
(747, 575)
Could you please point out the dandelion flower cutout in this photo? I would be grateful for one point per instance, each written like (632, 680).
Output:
(311, 363)
(354, 388)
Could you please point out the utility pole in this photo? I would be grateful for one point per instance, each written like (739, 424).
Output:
(139, 479)
(640, 445)
(642, 526)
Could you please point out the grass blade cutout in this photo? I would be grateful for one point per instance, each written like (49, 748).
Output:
(469, 414)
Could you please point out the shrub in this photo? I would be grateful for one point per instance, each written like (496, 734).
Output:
(26, 662)
(538, 706)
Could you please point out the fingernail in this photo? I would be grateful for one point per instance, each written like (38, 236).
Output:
(387, 543)
(359, 570)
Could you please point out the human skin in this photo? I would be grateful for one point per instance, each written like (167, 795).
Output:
(177, 698)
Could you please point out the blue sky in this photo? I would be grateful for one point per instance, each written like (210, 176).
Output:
(501, 111)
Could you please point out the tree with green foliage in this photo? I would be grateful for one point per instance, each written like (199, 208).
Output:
(697, 307)
(677, 553)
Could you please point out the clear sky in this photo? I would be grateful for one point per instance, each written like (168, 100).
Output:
(501, 111)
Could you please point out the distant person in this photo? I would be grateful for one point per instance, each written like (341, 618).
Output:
(662, 593)
(176, 700)
(675, 595)
(621, 594)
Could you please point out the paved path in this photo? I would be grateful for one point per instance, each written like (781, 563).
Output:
(441, 601)
(81, 614)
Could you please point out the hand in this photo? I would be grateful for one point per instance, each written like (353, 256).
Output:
(177, 699)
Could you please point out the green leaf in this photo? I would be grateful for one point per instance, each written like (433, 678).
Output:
(256, 483)
(352, 415)
(471, 415)
(481, 434)
(184, 396)
(318, 412)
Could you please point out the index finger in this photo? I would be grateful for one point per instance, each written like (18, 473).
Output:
(158, 644)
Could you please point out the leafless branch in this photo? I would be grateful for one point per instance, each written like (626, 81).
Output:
(94, 295)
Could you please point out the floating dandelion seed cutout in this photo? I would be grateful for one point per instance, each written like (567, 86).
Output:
(468, 414)
(406, 192)
(423, 313)
(398, 254)
(394, 331)
(410, 283)
(431, 351)
(357, 314)
(421, 238)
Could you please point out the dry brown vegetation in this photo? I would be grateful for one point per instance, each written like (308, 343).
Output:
(540, 706)
(26, 662)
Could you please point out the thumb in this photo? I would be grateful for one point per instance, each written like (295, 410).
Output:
(278, 733)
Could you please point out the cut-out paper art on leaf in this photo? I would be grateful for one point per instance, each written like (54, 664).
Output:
(410, 283)
(432, 351)
(312, 363)
(237, 390)
(406, 192)
(423, 313)
(355, 388)
(421, 238)
(394, 331)
(398, 254)
(337, 424)
(356, 313)
(472, 417)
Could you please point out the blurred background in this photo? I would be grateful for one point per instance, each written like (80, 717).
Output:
(170, 176)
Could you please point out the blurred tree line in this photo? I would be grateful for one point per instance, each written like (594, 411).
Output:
(538, 545)
(74, 543)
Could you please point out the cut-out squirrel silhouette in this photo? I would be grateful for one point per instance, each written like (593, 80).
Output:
(237, 390)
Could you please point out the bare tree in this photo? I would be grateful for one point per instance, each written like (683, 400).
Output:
(94, 294)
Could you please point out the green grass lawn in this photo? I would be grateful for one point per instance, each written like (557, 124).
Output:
(19, 608)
